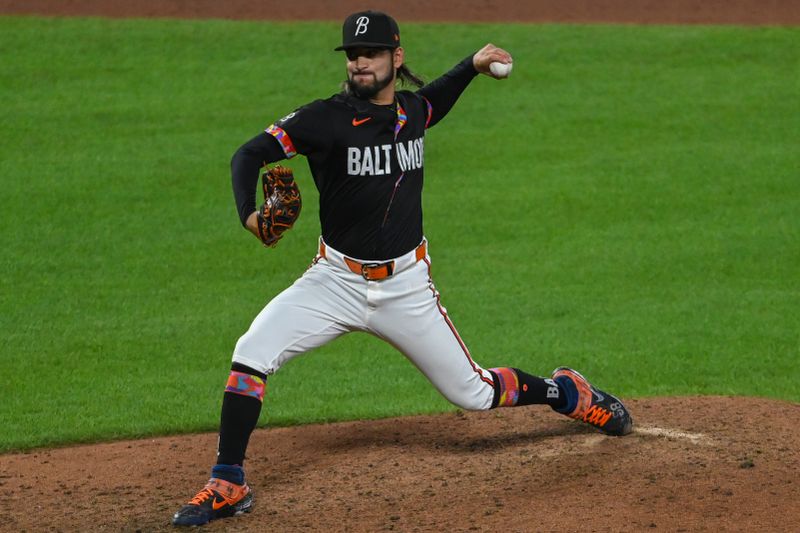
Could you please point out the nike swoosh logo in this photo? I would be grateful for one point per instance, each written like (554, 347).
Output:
(600, 397)
(217, 504)
(360, 122)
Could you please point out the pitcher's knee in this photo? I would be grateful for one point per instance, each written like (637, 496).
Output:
(256, 363)
(257, 353)
(480, 400)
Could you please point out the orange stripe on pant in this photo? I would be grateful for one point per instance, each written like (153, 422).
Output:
(475, 367)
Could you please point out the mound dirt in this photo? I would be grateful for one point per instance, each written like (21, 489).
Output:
(692, 464)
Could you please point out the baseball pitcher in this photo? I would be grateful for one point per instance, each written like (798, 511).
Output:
(372, 271)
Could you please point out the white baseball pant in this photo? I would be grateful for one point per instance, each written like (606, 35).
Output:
(403, 309)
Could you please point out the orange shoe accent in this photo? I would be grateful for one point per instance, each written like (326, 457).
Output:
(230, 493)
(201, 496)
(217, 504)
(597, 416)
(584, 393)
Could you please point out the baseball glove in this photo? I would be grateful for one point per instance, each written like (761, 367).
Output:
(281, 205)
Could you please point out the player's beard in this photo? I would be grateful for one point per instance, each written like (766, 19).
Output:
(369, 90)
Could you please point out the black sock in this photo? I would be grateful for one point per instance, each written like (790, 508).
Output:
(513, 387)
(240, 411)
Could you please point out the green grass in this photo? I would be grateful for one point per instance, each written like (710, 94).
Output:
(627, 203)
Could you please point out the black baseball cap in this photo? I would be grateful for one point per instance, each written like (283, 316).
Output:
(369, 29)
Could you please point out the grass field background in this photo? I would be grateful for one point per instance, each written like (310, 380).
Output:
(627, 203)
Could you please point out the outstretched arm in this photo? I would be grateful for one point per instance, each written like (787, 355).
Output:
(443, 92)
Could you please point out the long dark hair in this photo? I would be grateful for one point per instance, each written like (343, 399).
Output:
(407, 77)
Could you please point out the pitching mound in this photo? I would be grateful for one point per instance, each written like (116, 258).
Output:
(691, 464)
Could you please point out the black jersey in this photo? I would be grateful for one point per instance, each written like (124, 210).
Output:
(367, 162)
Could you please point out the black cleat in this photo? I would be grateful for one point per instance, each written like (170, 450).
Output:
(218, 499)
(593, 406)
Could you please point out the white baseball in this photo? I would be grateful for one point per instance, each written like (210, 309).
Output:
(501, 70)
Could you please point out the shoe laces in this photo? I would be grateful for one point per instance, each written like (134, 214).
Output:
(597, 416)
(202, 496)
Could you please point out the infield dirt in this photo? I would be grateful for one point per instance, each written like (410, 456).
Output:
(692, 463)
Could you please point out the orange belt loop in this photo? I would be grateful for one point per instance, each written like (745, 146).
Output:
(422, 251)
